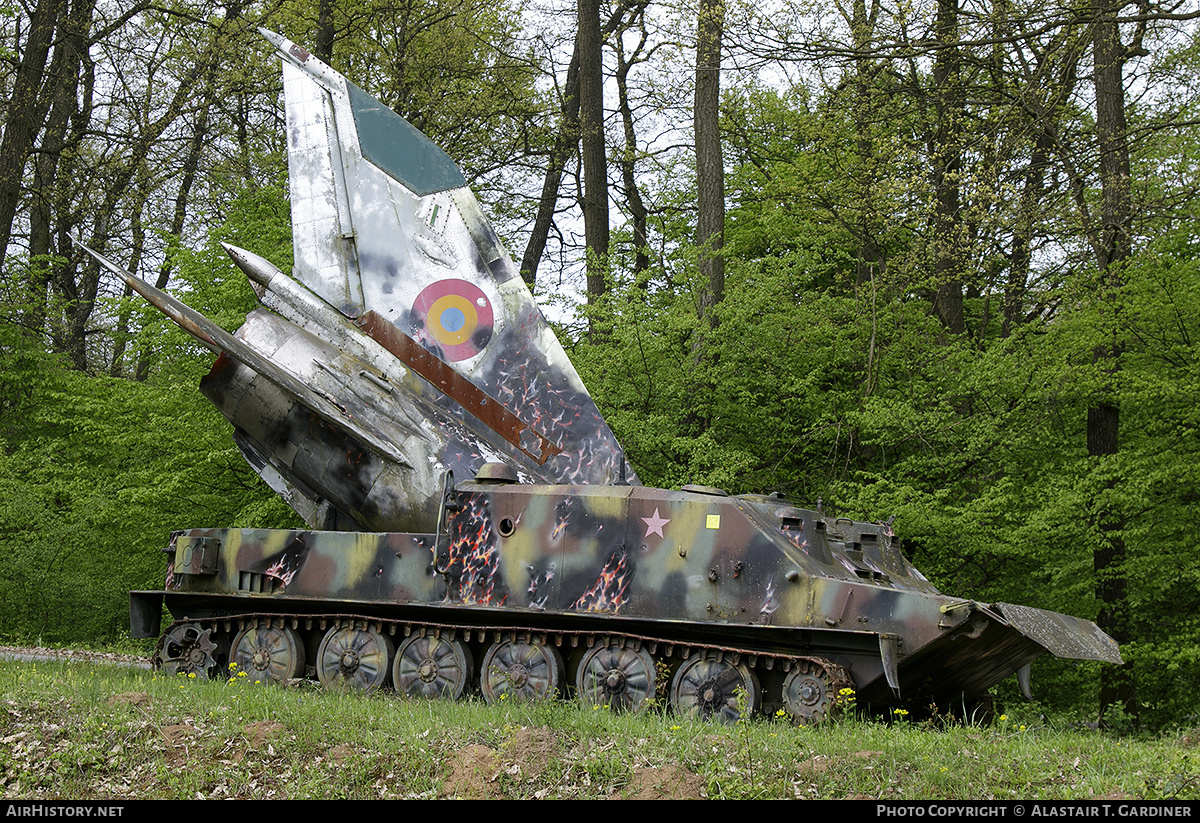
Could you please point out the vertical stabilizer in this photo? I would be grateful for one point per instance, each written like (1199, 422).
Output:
(387, 231)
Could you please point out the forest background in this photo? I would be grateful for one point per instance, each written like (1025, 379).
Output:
(932, 261)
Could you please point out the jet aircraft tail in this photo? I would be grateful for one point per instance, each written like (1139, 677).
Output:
(403, 345)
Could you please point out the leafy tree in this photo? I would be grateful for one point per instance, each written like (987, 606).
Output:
(97, 471)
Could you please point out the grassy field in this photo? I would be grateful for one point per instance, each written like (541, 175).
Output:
(89, 731)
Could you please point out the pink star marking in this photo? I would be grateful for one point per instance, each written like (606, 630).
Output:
(654, 525)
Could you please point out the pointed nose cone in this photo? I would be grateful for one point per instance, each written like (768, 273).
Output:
(293, 52)
(257, 268)
(277, 40)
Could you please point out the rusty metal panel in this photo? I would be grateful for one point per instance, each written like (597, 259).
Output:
(1061, 634)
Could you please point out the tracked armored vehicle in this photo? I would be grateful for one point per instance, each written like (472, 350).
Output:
(472, 520)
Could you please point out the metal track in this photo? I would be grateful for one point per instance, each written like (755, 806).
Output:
(201, 645)
(231, 624)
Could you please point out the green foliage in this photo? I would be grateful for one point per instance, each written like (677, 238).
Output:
(104, 470)
(824, 386)
(96, 472)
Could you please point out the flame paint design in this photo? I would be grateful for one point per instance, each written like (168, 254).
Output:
(562, 415)
(473, 558)
(287, 565)
(536, 596)
(796, 537)
(770, 602)
(610, 591)
(559, 525)
(281, 572)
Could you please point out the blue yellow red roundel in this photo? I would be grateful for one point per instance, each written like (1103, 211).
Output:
(456, 314)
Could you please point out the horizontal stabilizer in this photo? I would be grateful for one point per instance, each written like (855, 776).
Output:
(220, 341)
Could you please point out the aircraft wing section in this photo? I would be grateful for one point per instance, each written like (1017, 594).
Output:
(387, 232)
(219, 341)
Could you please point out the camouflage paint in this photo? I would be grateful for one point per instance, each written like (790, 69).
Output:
(749, 573)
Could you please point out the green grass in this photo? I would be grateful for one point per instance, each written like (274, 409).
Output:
(78, 731)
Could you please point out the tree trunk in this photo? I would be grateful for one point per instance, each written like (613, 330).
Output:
(323, 47)
(1114, 249)
(1022, 245)
(564, 144)
(595, 165)
(26, 111)
(710, 164)
(633, 196)
(868, 258)
(946, 244)
(51, 207)
(190, 165)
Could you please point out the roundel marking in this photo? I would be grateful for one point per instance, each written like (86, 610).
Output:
(458, 315)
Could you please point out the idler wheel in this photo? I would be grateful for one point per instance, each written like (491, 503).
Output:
(621, 678)
(812, 688)
(432, 667)
(354, 658)
(520, 669)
